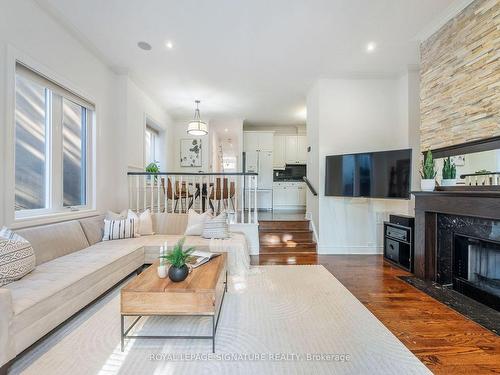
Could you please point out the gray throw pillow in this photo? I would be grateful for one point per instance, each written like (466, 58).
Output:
(17, 257)
(216, 227)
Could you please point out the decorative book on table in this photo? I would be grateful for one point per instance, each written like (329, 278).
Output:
(198, 258)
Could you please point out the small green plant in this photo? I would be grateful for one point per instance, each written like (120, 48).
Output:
(428, 171)
(449, 169)
(153, 168)
(177, 256)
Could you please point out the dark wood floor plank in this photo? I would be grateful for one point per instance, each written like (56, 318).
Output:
(447, 342)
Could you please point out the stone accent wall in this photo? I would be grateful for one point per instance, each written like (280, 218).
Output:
(460, 78)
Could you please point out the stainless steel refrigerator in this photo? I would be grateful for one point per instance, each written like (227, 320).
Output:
(260, 162)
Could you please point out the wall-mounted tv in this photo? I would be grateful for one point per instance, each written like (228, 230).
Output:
(383, 174)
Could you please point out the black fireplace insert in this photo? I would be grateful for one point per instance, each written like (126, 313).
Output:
(476, 268)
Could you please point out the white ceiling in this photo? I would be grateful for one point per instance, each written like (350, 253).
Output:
(253, 59)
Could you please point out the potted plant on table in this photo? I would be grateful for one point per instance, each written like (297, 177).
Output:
(177, 258)
(428, 173)
(153, 168)
(449, 173)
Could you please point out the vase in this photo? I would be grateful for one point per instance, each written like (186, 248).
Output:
(427, 184)
(449, 182)
(162, 271)
(177, 274)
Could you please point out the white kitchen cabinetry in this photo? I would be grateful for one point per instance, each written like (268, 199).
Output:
(279, 152)
(302, 149)
(289, 194)
(258, 141)
(291, 149)
(295, 149)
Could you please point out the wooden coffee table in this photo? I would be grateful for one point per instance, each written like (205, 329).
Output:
(201, 294)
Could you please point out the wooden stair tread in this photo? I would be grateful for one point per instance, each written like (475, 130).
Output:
(283, 231)
(286, 237)
(290, 244)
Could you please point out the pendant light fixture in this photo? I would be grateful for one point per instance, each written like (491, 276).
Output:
(196, 126)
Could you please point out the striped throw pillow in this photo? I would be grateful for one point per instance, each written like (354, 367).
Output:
(119, 229)
(216, 227)
(17, 257)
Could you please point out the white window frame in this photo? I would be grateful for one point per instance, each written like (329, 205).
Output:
(51, 214)
(157, 132)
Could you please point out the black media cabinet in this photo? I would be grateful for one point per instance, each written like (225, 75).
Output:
(399, 242)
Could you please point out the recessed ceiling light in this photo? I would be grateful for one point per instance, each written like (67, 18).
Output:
(169, 44)
(144, 45)
(226, 130)
(370, 47)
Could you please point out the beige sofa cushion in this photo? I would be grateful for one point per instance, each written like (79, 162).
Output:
(55, 240)
(93, 227)
(166, 223)
(64, 280)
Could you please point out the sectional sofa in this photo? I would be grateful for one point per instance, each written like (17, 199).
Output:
(74, 267)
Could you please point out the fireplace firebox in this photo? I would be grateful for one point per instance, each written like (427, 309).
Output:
(476, 268)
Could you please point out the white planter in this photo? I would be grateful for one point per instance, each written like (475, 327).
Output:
(162, 271)
(449, 182)
(427, 184)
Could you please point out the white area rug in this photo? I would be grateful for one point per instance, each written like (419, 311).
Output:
(272, 322)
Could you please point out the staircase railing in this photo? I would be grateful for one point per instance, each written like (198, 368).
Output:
(309, 185)
(178, 192)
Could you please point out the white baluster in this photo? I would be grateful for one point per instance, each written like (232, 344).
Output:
(242, 196)
(165, 195)
(255, 200)
(158, 188)
(138, 189)
(172, 185)
(249, 193)
(145, 187)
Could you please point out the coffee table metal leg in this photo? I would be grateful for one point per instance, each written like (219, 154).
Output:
(213, 333)
(226, 282)
(122, 325)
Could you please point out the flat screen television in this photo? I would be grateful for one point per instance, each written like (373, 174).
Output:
(383, 174)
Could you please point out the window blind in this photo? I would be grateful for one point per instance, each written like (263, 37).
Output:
(42, 80)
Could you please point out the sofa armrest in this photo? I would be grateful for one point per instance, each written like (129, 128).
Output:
(7, 349)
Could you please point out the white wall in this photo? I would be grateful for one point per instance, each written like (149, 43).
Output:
(313, 162)
(139, 107)
(349, 116)
(27, 32)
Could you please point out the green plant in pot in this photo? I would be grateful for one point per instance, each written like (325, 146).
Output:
(153, 168)
(428, 173)
(177, 258)
(449, 173)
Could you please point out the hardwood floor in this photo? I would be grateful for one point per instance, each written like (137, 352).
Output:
(447, 342)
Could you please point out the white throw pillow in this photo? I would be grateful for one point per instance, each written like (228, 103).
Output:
(17, 257)
(196, 222)
(216, 227)
(144, 222)
(119, 229)
(110, 215)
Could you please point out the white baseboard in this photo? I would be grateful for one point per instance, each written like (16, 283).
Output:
(366, 250)
(312, 226)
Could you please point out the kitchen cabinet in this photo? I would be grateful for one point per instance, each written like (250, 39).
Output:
(302, 149)
(258, 141)
(295, 147)
(289, 194)
(291, 149)
(279, 152)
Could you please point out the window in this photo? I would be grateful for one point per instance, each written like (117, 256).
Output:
(151, 145)
(52, 147)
